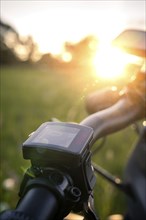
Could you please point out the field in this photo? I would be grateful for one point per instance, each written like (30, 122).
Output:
(30, 97)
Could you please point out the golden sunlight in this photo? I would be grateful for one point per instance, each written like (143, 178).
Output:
(66, 56)
(110, 61)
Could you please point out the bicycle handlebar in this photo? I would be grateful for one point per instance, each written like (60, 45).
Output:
(38, 203)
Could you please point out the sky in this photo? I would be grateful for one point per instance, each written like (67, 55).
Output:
(51, 23)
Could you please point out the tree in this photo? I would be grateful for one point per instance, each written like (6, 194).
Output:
(83, 51)
(15, 48)
(6, 54)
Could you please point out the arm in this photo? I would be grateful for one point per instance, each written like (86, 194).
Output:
(130, 107)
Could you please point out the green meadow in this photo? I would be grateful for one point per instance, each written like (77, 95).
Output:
(31, 96)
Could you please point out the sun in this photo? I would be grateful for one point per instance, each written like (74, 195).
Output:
(110, 61)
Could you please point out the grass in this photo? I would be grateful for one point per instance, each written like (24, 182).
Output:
(30, 97)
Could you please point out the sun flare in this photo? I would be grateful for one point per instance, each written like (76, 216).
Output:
(110, 61)
(66, 57)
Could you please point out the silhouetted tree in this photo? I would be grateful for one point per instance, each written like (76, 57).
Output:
(13, 48)
(83, 51)
(6, 54)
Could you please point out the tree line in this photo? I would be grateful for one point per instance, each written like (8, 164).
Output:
(16, 49)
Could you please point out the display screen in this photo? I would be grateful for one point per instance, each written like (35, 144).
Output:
(56, 135)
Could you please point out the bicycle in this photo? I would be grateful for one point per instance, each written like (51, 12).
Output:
(61, 178)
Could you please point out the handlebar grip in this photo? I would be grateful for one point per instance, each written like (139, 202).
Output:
(39, 203)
